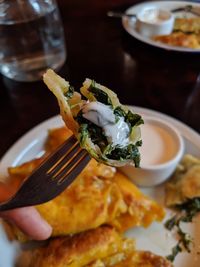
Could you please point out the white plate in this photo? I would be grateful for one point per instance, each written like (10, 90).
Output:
(129, 24)
(155, 238)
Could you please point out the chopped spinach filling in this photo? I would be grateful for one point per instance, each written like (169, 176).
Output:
(129, 152)
(88, 128)
(130, 118)
(175, 250)
(70, 92)
(133, 119)
(96, 134)
(119, 112)
(99, 94)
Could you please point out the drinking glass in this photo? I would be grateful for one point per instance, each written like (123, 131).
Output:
(31, 38)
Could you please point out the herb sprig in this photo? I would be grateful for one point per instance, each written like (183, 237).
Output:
(186, 213)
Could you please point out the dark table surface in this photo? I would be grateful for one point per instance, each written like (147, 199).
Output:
(99, 48)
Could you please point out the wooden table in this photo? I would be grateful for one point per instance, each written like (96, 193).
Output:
(99, 48)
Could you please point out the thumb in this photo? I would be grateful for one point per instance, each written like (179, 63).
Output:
(27, 219)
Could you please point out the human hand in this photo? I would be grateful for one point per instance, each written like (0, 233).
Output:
(27, 219)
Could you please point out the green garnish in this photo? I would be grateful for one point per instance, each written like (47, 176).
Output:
(185, 239)
(175, 250)
(171, 223)
(186, 213)
(191, 208)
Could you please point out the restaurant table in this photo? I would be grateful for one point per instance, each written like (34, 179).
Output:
(99, 48)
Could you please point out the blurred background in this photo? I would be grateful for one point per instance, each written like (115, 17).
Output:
(99, 48)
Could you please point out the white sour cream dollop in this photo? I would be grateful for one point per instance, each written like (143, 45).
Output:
(103, 116)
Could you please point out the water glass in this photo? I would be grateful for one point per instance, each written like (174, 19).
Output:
(31, 38)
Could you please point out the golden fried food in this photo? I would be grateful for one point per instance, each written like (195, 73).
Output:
(22, 171)
(133, 259)
(185, 183)
(99, 196)
(186, 33)
(81, 249)
(179, 39)
(141, 210)
(56, 137)
(187, 25)
(101, 247)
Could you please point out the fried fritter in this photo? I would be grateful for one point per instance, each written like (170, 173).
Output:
(100, 247)
(187, 25)
(186, 33)
(179, 39)
(98, 196)
(185, 182)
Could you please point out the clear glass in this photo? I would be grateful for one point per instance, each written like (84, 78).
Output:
(31, 38)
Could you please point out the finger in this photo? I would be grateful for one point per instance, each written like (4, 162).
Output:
(29, 221)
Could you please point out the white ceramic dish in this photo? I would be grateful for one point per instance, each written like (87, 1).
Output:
(154, 21)
(130, 24)
(155, 238)
(162, 149)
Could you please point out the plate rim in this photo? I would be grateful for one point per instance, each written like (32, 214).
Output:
(32, 135)
(146, 40)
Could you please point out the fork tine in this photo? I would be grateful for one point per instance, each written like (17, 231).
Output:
(58, 165)
(68, 179)
(55, 156)
(68, 161)
(69, 167)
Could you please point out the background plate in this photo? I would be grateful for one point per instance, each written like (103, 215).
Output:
(129, 24)
(155, 238)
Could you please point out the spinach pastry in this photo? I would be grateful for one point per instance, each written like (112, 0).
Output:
(108, 130)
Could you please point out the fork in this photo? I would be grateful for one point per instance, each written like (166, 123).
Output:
(53, 175)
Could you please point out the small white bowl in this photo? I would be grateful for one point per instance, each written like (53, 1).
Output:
(154, 21)
(162, 149)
